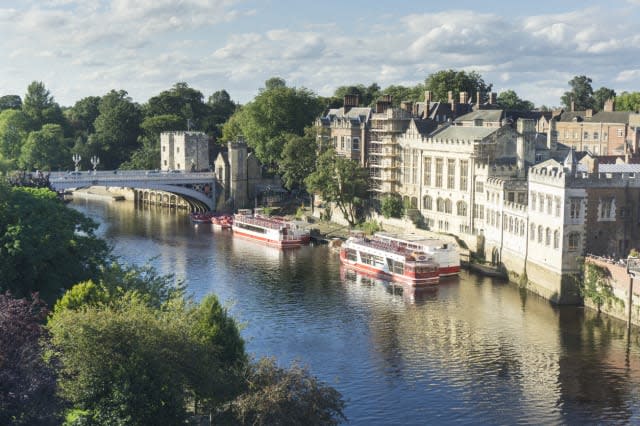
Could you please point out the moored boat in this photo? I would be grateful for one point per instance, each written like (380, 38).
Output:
(275, 231)
(382, 259)
(197, 217)
(222, 221)
(445, 254)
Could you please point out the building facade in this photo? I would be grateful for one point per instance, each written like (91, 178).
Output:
(186, 151)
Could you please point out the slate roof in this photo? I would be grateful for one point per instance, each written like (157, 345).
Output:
(621, 117)
(425, 126)
(464, 133)
(493, 115)
(359, 113)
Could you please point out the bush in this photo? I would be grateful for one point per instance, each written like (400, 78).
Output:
(370, 227)
(392, 206)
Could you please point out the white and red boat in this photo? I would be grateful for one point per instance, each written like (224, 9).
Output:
(222, 221)
(382, 259)
(445, 254)
(274, 231)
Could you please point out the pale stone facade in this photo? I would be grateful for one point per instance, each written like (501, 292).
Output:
(187, 151)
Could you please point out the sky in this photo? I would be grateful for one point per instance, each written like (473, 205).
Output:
(80, 48)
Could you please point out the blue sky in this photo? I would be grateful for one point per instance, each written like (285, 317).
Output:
(82, 48)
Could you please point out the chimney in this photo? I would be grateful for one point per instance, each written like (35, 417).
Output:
(573, 106)
(478, 99)
(450, 96)
(520, 150)
(380, 107)
(552, 136)
(588, 113)
(427, 108)
(609, 105)
(383, 103)
(492, 98)
(406, 106)
(427, 96)
(387, 98)
(464, 98)
(592, 165)
(351, 101)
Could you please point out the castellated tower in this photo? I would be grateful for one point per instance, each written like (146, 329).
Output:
(238, 175)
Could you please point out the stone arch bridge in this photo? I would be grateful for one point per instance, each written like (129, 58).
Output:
(197, 188)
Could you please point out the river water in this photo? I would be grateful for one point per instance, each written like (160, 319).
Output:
(471, 351)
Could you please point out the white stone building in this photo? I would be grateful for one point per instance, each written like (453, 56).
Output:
(184, 150)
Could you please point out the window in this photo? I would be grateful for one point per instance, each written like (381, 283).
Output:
(520, 197)
(556, 239)
(620, 132)
(355, 144)
(595, 135)
(575, 205)
(604, 136)
(427, 203)
(451, 174)
(440, 205)
(586, 135)
(547, 236)
(549, 204)
(557, 203)
(541, 203)
(164, 148)
(574, 241)
(461, 208)
(522, 228)
(511, 197)
(439, 165)
(341, 142)
(479, 186)
(606, 206)
(532, 232)
(427, 171)
(177, 149)
(533, 200)
(464, 175)
(540, 234)
(511, 224)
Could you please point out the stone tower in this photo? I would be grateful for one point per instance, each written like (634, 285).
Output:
(238, 175)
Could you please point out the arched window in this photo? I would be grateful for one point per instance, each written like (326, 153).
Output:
(547, 236)
(532, 232)
(574, 241)
(414, 202)
(540, 234)
(427, 203)
(556, 239)
(461, 208)
(440, 204)
(447, 206)
(510, 224)
(522, 228)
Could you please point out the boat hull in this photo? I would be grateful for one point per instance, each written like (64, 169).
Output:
(379, 273)
(265, 239)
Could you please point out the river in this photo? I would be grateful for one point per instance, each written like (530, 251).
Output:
(471, 351)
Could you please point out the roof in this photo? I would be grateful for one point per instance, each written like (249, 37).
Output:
(494, 115)
(621, 117)
(616, 159)
(464, 133)
(360, 113)
(425, 126)
(612, 168)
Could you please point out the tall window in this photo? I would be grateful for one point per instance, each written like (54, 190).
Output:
(549, 205)
(427, 171)
(439, 165)
(575, 205)
(447, 206)
(533, 200)
(606, 206)
(532, 232)
(427, 203)
(547, 236)
(556, 239)
(451, 174)
(574, 241)
(464, 175)
(355, 144)
(557, 203)
(540, 234)
(461, 208)
(541, 203)
(440, 205)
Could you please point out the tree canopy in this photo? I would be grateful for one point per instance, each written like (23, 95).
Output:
(441, 82)
(581, 94)
(601, 96)
(298, 158)
(627, 101)
(510, 100)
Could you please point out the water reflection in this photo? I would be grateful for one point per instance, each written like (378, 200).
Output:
(472, 350)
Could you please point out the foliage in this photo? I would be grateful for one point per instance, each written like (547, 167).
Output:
(27, 383)
(44, 246)
(628, 101)
(45, 149)
(602, 95)
(298, 158)
(221, 108)
(148, 155)
(275, 112)
(277, 396)
(581, 94)
(596, 286)
(441, 82)
(392, 206)
(181, 101)
(83, 114)
(510, 100)
(10, 102)
(14, 128)
(370, 227)
(40, 107)
(340, 181)
(128, 362)
(400, 93)
(366, 95)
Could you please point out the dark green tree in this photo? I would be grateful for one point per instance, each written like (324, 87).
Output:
(392, 206)
(14, 128)
(510, 100)
(601, 96)
(441, 82)
(298, 158)
(341, 181)
(181, 101)
(40, 107)
(10, 102)
(45, 149)
(366, 94)
(83, 114)
(221, 108)
(148, 155)
(400, 93)
(581, 94)
(117, 129)
(44, 246)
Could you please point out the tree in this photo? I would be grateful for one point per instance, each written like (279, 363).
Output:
(275, 83)
(441, 82)
(392, 206)
(403, 93)
(148, 155)
(277, 396)
(367, 95)
(221, 108)
(27, 382)
(298, 158)
(117, 129)
(510, 100)
(341, 181)
(182, 101)
(40, 107)
(626, 101)
(44, 246)
(275, 112)
(601, 96)
(581, 94)
(14, 128)
(83, 114)
(45, 149)
(10, 102)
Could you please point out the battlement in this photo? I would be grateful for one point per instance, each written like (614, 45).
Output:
(514, 207)
(184, 133)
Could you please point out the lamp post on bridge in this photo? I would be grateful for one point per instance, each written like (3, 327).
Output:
(76, 160)
(94, 162)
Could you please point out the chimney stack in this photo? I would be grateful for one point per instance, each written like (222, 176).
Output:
(464, 98)
(609, 105)
(588, 113)
(478, 99)
(552, 136)
(351, 101)
(492, 98)
(573, 106)
(406, 106)
(427, 96)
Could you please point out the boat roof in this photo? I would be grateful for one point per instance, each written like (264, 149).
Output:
(380, 247)
(414, 239)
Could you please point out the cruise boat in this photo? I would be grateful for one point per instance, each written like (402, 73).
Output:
(384, 260)
(445, 254)
(222, 221)
(275, 231)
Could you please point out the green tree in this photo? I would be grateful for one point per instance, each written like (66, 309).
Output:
(275, 112)
(40, 107)
(83, 114)
(602, 95)
(405, 93)
(44, 246)
(341, 181)
(392, 206)
(117, 129)
(278, 396)
(221, 108)
(626, 101)
(367, 94)
(148, 155)
(10, 102)
(181, 101)
(581, 94)
(14, 128)
(45, 149)
(298, 158)
(510, 100)
(441, 82)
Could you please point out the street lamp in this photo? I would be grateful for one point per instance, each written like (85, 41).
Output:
(94, 162)
(76, 159)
